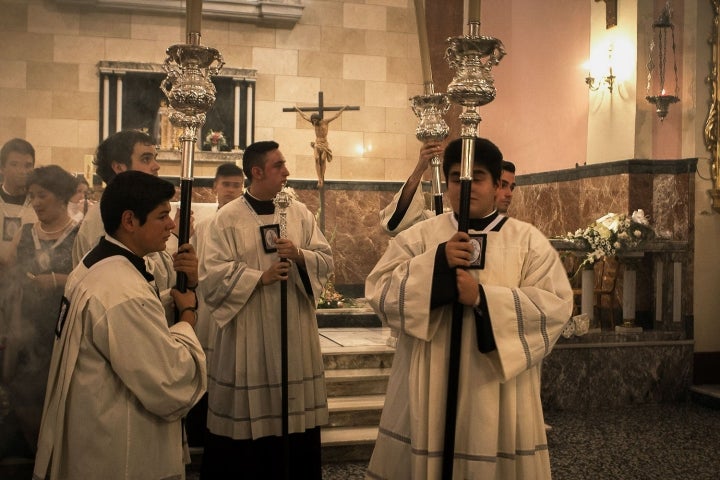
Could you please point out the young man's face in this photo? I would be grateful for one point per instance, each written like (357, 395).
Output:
(152, 235)
(274, 174)
(228, 188)
(482, 191)
(143, 159)
(16, 170)
(505, 192)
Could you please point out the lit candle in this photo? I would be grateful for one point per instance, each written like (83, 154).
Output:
(422, 36)
(194, 15)
(474, 11)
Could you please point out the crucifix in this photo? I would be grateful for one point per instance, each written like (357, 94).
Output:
(321, 147)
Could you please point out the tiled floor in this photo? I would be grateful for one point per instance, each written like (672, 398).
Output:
(676, 441)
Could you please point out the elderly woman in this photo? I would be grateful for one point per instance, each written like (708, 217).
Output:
(41, 263)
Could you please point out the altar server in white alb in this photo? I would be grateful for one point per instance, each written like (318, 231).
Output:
(240, 276)
(517, 299)
(120, 379)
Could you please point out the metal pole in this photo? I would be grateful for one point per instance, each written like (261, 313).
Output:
(282, 202)
(468, 154)
(191, 94)
(472, 57)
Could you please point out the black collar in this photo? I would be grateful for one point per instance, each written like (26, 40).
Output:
(482, 223)
(105, 249)
(261, 207)
(13, 199)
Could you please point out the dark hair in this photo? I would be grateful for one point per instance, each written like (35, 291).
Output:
(254, 156)
(118, 148)
(228, 170)
(16, 145)
(80, 179)
(136, 191)
(486, 154)
(54, 179)
(508, 166)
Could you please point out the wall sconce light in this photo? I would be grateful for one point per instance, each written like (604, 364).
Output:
(594, 84)
(663, 100)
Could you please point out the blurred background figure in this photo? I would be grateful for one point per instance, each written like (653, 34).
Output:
(40, 264)
(80, 202)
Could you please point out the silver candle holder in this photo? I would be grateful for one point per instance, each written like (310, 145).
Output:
(430, 108)
(190, 91)
(472, 57)
(282, 201)
(191, 94)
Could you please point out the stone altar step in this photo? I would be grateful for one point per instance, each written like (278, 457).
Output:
(360, 316)
(348, 444)
(707, 395)
(356, 381)
(355, 410)
(371, 356)
(357, 367)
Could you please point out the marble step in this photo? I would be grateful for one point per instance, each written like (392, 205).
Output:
(356, 381)
(707, 395)
(347, 444)
(372, 356)
(355, 411)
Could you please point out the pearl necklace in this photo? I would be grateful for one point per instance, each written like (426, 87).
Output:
(54, 232)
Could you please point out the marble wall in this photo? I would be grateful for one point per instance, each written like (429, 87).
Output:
(555, 202)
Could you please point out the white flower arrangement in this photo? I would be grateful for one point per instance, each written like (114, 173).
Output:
(611, 234)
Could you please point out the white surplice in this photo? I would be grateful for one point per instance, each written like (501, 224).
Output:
(120, 380)
(416, 211)
(500, 427)
(244, 384)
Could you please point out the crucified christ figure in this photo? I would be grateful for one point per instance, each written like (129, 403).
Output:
(321, 147)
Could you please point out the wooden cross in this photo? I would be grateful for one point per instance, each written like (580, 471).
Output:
(321, 130)
(320, 108)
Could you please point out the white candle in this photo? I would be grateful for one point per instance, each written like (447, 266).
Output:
(106, 107)
(474, 11)
(677, 292)
(658, 290)
(629, 282)
(194, 15)
(119, 104)
(587, 298)
(422, 37)
(249, 116)
(236, 118)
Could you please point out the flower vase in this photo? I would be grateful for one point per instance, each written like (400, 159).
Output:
(214, 148)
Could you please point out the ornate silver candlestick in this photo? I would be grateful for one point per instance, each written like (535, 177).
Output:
(191, 94)
(472, 57)
(282, 201)
(430, 108)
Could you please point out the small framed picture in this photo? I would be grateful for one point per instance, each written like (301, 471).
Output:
(478, 241)
(10, 226)
(270, 234)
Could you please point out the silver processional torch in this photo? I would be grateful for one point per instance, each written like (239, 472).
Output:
(190, 93)
(472, 57)
(430, 108)
(282, 201)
